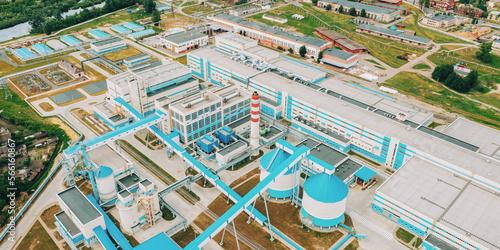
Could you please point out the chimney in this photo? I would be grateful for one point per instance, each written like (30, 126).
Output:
(255, 121)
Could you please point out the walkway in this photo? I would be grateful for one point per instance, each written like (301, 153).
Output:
(384, 233)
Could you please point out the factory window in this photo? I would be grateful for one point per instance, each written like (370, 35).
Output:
(218, 116)
(201, 123)
(195, 126)
(195, 136)
(226, 121)
(207, 130)
(189, 127)
(207, 120)
(188, 117)
(226, 111)
(214, 127)
(182, 118)
(202, 133)
(207, 109)
(193, 115)
(213, 117)
(200, 112)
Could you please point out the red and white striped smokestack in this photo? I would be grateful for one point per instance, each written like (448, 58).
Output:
(255, 121)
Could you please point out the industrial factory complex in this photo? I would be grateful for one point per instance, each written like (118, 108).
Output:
(216, 135)
(439, 177)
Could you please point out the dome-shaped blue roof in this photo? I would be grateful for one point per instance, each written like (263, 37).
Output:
(325, 188)
(104, 171)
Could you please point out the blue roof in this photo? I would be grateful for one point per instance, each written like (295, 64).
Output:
(132, 25)
(23, 52)
(142, 33)
(111, 227)
(273, 159)
(103, 237)
(120, 29)
(160, 241)
(326, 188)
(98, 33)
(41, 48)
(104, 171)
(70, 40)
(365, 173)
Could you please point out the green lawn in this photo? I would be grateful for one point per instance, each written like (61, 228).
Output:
(470, 55)
(404, 235)
(434, 93)
(437, 37)
(372, 61)
(417, 243)
(197, 8)
(421, 66)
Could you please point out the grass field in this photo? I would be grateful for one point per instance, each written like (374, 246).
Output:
(372, 61)
(191, 9)
(37, 239)
(122, 54)
(434, 93)
(404, 235)
(470, 55)
(353, 245)
(421, 66)
(48, 216)
(417, 243)
(437, 37)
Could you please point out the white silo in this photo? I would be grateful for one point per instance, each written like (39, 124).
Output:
(148, 189)
(105, 181)
(324, 201)
(287, 184)
(128, 208)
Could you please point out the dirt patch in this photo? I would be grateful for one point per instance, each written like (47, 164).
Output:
(37, 238)
(204, 221)
(46, 106)
(245, 177)
(73, 136)
(58, 236)
(48, 216)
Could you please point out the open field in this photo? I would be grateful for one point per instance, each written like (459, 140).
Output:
(37, 239)
(411, 24)
(434, 93)
(470, 55)
(48, 216)
(122, 54)
(194, 8)
(421, 66)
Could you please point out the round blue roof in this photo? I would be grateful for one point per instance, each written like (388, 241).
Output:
(104, 171)
(326, 188)
(281, 156)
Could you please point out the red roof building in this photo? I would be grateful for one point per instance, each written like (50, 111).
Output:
(442, 5)
(469, 10)
(395, 2)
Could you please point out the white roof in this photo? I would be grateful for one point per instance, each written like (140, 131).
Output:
(225, 61)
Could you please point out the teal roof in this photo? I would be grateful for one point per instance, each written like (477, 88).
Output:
(269, 161)
(325, 188)
(365, 173)
(160, 241)
(104, 171)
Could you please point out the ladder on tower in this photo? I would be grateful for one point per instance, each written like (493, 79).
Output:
(150, 210)
(68, 171)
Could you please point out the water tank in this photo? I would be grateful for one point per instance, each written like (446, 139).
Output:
(323, 201)
(105, 181)
(285, 185)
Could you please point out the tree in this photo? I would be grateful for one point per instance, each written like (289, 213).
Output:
(47, 28)
(363, 13)
(37, 22)
(320, 55)
(315, 2)
(156, 17)
(471, 80)
(352, 11)
(329, 7)
(302, 51)
(440, 73)
(424, 3)
(245, 33)
(27, 161)
(341, 9)
(290, 50)
(484, 52)
(149, 6)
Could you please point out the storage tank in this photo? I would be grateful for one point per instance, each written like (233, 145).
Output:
(323, 201)
(128, 209)
(285, 185)
(105, 181)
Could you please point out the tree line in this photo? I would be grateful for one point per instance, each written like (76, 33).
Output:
(41, 24)
(446, 74)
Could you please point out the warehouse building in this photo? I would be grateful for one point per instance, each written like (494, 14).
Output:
(270, 36)
(185, 40)
(339, 59)
(108, 45)
(372, 11)
(395, 35)
(170, 81)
